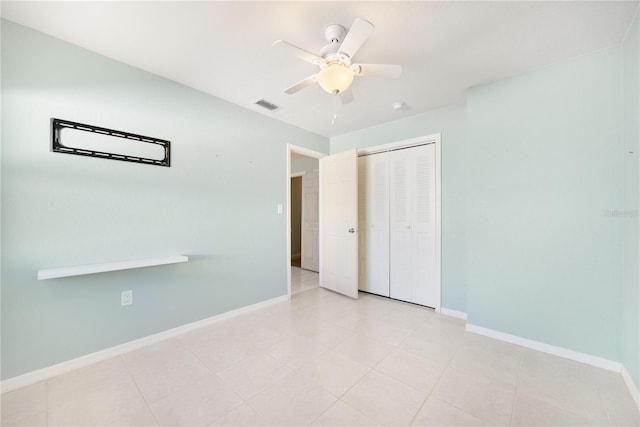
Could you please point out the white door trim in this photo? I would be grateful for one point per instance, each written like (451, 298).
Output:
(397, 145)
(291, 148)
(407, 143)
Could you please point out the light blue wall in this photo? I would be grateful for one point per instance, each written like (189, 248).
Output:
(631, 289)
(450, 123)
(216, 204)
(544, 162)
(304, 165)
(532, 195)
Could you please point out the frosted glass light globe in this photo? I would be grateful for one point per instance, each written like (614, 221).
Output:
(335, 78)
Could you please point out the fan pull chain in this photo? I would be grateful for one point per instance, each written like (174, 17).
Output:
(335, 107)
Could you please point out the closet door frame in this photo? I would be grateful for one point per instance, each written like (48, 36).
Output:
(413, 142)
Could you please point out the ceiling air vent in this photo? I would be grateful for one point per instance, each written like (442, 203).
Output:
(266, 104)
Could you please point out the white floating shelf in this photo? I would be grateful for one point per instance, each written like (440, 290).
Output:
(52, 273)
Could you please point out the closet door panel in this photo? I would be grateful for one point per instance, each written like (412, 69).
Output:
(424, 287)
(374, 224)
(400, 277)
(363, 235)
(401, 252)
(412, 225)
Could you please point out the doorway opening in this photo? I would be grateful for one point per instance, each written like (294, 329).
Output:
(296, 214)
(303, 245)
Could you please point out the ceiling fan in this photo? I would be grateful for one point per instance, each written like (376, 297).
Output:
(335, 60)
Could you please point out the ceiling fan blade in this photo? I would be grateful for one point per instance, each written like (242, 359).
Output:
(346, 97)
(378, 70)
(299, 52)
(359, 32)
(300, 85)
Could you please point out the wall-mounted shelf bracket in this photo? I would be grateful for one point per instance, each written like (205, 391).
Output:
(93, 141)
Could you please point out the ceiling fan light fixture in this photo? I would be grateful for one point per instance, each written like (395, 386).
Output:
(335, 78)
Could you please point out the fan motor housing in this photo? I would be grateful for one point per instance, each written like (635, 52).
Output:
(335, 33)
(336, 58)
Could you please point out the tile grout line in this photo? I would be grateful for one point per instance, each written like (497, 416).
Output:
(577, 412)
(371, 368)
(46, 402)
(433, 388)
(214, 373)
(515, 391)
(604, 407)
(242, 402)
(323, 412)
(144, 399)
(424, 402)
(449, 366)
(398, 347)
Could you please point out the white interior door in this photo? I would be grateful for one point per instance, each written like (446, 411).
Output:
(373, 210)
(339, 222)
(310, 244)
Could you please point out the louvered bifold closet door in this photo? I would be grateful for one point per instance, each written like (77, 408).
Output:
(426, 285)
(374, 223)
(412, 225)
(401, 271)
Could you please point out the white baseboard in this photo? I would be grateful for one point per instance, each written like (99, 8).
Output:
(453, 313)
(80, 362)
(547, 348)
(635, 394)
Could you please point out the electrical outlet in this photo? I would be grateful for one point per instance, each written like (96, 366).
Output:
(126, 298)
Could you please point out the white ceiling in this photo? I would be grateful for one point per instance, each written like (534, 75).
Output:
(224, 48)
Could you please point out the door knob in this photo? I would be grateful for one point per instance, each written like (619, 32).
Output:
(351, 230)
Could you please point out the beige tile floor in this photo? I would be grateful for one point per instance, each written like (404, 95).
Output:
(322, 359)
(302, 280)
